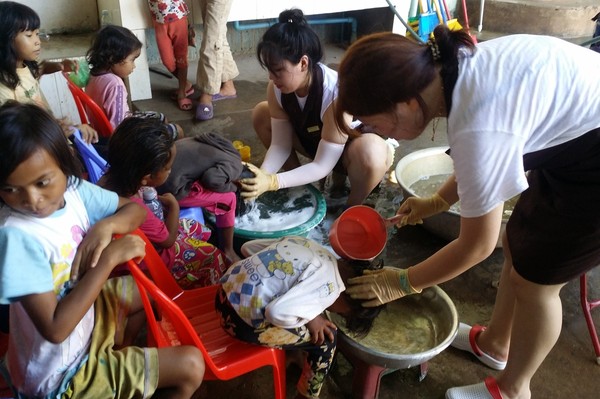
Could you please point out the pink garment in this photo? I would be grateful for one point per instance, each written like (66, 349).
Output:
(222, 205)
(156, 231)
(110, 93)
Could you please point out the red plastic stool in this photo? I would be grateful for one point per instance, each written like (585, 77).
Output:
(587, 306)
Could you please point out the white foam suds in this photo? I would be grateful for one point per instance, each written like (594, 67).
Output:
(276, 211)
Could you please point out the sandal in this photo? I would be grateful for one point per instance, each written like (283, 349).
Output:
(488, 389)
(188, 93)
(465, 340)
(185, 104)
(219, 97)
(204, 112)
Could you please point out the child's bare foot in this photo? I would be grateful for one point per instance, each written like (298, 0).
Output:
(232, 255)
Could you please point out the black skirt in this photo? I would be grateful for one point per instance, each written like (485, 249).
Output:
(554, 230)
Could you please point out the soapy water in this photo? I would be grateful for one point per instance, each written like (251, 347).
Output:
(288, 208)
(278, 210)
(428, 185)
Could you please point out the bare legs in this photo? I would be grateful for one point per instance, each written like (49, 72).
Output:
(366, 159)
(180, 368)
(225, 238)
(180, 371)
(227, 89)
(183, 84)
(525, 326)
(363, 157)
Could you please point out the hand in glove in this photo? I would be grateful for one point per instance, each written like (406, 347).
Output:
(252, 187)
(380, 286)
(416, 209)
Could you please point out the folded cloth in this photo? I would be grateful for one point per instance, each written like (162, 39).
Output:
(208, 158)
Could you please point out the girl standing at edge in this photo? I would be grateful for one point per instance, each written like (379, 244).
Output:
(170, 20)
(514, 104)
(70, 328)
(298, 117)
(20, 72)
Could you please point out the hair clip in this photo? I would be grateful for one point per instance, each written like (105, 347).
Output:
(435, 50)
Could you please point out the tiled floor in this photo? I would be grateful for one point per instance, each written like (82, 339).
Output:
(570, 371)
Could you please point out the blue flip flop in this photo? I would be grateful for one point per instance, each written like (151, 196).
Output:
(219, 97)
(204, 112)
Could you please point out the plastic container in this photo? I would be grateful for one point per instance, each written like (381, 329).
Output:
(82, 76)
(244, 150)
(150, 197)
(358, 233)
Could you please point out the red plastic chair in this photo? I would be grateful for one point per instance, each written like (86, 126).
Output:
(188, 317)
(587, 306)
(5, 390)
(86, 106)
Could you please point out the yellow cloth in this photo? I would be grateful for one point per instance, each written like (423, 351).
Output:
(28, 91)
(131, 372)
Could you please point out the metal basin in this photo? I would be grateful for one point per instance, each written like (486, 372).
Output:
(431, 162)
(407, 333)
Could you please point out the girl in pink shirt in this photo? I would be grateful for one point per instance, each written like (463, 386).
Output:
(112, 59)
(141, 152)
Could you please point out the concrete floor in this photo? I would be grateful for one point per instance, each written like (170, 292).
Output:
(569, 371)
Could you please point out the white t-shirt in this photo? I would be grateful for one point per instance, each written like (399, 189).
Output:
(330, 90)
(517, 94)
(35, 257)
(287, 284)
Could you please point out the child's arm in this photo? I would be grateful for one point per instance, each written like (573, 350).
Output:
(127, 218)
(48, 67)
(171, 206)
(54, 319)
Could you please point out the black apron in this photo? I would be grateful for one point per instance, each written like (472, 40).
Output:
(554, 230)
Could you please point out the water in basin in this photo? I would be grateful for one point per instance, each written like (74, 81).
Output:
(406, 326)
(428, 185)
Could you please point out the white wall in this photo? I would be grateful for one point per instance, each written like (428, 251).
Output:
(65, 16)
(60, 16)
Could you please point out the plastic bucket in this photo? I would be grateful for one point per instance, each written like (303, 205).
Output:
(358, 233)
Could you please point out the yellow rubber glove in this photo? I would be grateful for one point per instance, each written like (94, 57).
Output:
(381, 286)
(416, 209)
(252, 187)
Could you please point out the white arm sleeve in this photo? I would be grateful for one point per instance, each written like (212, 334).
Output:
(282, 133)
(327, 156)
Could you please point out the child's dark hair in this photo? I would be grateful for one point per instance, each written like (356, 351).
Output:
(289, 39)
(111, 45)
(138, 147)
(27, 128)
(360, 319)
(15, 18)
